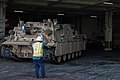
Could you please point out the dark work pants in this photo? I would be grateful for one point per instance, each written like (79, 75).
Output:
(39, 65)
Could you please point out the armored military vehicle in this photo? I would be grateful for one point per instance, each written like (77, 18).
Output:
(64, 42)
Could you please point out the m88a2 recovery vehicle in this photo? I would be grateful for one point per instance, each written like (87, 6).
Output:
(64, 42)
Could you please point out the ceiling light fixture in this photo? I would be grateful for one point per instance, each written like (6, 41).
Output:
(60, 14)
(18, 11)
(93, 16)
(109, 3)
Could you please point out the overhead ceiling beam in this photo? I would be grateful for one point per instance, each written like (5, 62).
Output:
(10, 2)
(97, 2)
(97, 8)
(80, 2)
(52, 0)
(109, 6)
(31, 3)
(60, 3)
(83, 2)
(72, 6)
(67, 6)
(77, 2)
(53, 3)
(3, 1)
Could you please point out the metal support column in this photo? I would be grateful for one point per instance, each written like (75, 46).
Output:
(108, 31)
(2, 20)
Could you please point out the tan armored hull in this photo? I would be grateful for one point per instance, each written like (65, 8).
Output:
(63, 41)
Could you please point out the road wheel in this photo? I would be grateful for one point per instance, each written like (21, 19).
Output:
(6, 52)
(79, 53)
(59, 59)
(64, 57)
(69, 56)
(76, 54)
(73, 55)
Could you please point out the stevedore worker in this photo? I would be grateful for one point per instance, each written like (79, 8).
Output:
(38, 56)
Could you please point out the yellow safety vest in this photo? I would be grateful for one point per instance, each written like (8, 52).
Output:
(37, 49)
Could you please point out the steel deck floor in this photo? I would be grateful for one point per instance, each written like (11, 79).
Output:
(92, 65)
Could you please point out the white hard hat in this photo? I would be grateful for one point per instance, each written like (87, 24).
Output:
(39, 38)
